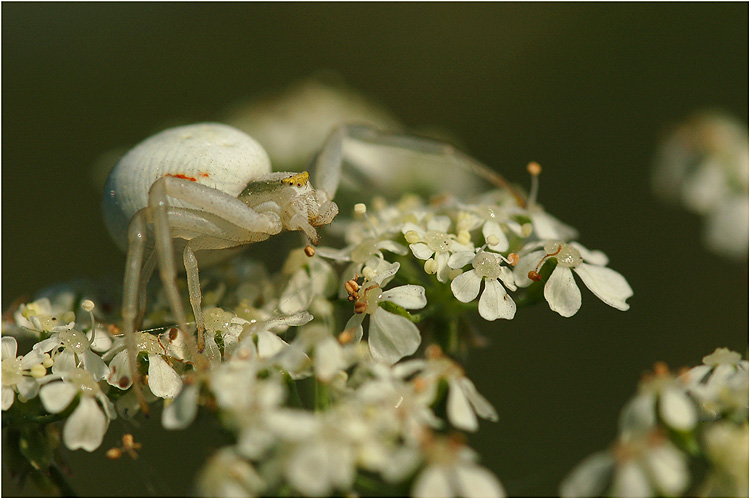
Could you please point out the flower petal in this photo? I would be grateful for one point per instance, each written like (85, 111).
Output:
(409, 296)
(609, 286)
(298, 293)
(95, 365)
(476, 481)
(669, 470)
(354, 326)
(8, 397)
(307, 470)
(163, 381)
(562, 293)
(412, 226)
(589, 477)
(56, 396)
(465, 286)
(595, 257)
(495, 302)
(9, 347)
(86, 427)
(460, 259)
(677, 409)
(421, 250)
(180, 414)
(392, 246)
(329, 359)
(65, 362)
(439, 223)
(119, 371)
(491, 228)
(525, 264)
(460, 413)
(630, 481)
(548, 227)
(443, 271)
(432, 482)
(392, 337)
(481, 405)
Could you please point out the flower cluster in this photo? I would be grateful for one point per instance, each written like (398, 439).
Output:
(335, 375)
(670, 425)
(703, 165)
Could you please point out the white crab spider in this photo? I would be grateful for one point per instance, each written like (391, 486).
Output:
(210, 187)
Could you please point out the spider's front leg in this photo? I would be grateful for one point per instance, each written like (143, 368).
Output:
(219, 221)
(329, 161)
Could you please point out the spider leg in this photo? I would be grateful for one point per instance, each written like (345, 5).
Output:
(329, 161)
(131, 286)
(147, 270)
(209, 200)
(158, 204)
(204, 231)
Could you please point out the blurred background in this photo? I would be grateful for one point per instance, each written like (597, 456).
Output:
(587, 90)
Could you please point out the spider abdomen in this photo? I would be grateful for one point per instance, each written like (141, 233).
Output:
(212, 154)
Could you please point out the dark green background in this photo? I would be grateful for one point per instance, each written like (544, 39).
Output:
(587, 90)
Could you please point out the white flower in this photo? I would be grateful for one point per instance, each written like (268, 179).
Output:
(661, 398)
(435, 245)
(163, 380)
(226, 474)
(726, 446)
(312, 278)
(399, 404)
(560, 290)
(69, 349)
(720, 384)
(86, 426)
(329, 354)
(452, 472)
(46, 313)
(325, 460)
(464, 402)
(390, 336)
(703, 164)
(645, 467)
(495, 303)
(20, 374)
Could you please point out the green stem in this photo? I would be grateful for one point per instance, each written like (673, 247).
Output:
(58, 478)
(322, 396)
(294, 397)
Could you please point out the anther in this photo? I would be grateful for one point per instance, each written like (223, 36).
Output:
(309, 251)
(360, 209)
(345, 337)
(360, 307)
(661, 369)
(411, 236)
(430, 266)
(433, 352)
(512, 259)
(534, 169)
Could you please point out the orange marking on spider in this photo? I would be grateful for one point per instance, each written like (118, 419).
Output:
(182, 176)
